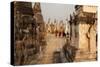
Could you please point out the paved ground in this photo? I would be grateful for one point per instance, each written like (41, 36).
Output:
(56, 44)
(53, 44)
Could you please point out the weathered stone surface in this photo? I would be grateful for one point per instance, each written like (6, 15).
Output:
(27, 44)
(87, 34)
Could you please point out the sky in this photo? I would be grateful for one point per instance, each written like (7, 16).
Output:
(56, 11)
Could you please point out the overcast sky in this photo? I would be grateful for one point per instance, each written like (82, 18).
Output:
(56, 11)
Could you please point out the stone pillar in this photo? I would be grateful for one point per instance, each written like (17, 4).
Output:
(93, 47)
(83, 41)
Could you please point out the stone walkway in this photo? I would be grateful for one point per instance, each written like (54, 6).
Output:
(53, 44)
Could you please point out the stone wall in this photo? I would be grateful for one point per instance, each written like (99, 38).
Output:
(28, 32)
(83, 33)
(87, 35)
